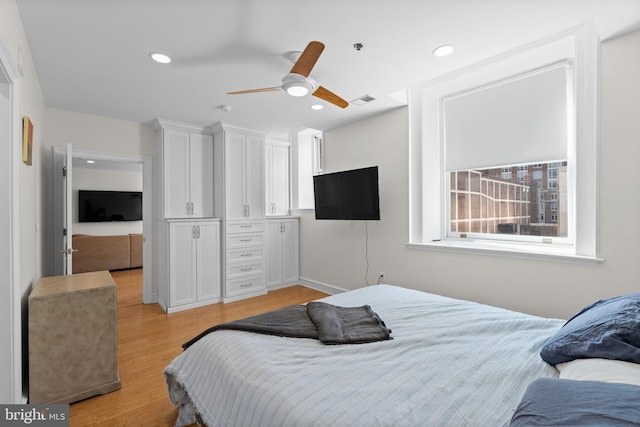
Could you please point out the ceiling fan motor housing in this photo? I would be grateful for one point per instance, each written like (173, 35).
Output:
(297, 85)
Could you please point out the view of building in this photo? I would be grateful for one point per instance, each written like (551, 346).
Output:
(527, 200)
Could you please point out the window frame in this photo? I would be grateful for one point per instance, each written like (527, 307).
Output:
(427, 219)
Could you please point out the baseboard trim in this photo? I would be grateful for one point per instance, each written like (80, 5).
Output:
(322, 287)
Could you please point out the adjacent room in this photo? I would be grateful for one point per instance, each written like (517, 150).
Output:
(351, 213)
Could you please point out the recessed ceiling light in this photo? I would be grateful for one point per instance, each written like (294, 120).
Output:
(91, 161)
(317, 107)
(160, 57)
(444, 50)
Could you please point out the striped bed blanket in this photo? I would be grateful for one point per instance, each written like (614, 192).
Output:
(451, 363)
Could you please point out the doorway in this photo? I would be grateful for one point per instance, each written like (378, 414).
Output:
(121, 162)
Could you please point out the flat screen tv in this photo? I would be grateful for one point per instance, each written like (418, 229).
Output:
(108, 206)
(351, 194)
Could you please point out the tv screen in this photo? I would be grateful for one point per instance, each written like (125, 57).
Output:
(351, 194)
(107, 206)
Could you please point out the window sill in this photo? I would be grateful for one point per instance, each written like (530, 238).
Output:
(516, 250)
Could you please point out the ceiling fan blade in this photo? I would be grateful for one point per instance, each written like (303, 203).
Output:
(263, 89)
(308, 58)
(327, 95)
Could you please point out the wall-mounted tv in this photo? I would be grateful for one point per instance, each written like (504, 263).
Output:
(108, 206)
(351, 194)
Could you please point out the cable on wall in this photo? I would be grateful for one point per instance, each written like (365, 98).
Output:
(366, 252)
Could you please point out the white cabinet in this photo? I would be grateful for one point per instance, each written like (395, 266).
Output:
(276, 156)
(282, 256)
(193, 265)
(239, 202)
(187, 171)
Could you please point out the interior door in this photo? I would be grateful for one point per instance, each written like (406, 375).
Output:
(62, 210)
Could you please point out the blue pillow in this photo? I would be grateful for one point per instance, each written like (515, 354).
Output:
(608, 329)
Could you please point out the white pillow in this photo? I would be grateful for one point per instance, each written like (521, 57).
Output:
(606, 370)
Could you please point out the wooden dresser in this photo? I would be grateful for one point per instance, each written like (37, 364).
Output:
(72, 338)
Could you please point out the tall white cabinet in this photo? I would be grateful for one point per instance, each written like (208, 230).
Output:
(189, 259)
(239, 201)
(283, 243)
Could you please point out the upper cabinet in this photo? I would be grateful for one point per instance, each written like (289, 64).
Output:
(187, 170)
(277, 178)
(239, 170)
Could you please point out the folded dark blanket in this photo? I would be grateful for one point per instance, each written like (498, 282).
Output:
(328, 323)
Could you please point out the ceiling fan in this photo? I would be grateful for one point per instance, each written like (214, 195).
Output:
(298, 82)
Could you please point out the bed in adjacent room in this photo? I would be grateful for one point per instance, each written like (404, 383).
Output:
(449, 362)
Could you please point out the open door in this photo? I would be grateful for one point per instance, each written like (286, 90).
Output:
(62, 211)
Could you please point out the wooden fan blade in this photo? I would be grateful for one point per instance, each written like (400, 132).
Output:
(327, 95)
(308, 58)
(263, 89)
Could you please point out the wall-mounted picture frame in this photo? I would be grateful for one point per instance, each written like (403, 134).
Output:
(27, 140)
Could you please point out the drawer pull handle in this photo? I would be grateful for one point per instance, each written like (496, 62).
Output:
(246, 285)
(245, 255)
(246, 240)
(246, 226)
(246, 269)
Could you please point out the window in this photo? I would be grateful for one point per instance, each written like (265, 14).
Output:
(467, 124)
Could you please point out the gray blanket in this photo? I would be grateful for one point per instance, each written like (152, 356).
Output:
(328, 323)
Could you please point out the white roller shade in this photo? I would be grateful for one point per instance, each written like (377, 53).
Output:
(519, 121)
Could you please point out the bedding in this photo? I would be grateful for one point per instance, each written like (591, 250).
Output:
(565, 403)
(609, 371)
(318, 320)
(606, 329)
(450, 362)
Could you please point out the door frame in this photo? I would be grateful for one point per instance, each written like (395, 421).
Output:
(147, 210)
(11, 302)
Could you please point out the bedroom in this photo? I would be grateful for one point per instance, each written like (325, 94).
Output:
(533, 286)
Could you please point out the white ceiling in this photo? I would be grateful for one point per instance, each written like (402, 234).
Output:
(91, 56)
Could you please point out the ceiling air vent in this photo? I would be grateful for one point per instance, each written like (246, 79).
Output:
(364, 99)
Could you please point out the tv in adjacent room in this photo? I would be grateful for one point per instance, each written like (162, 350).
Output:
(108, 206)
(351, 194)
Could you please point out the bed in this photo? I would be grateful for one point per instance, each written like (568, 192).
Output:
(449, 363)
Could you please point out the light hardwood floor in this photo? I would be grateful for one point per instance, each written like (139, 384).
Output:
(148, 339)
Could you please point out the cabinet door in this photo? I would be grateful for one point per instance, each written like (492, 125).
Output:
(175, 177)
(201, 175)
(208, 261)
(274, 253)
(290, 251)
(235, 175)
(280, 180)
(254, 171)
(182, 263)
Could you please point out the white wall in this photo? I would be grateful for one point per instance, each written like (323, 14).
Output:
(89, 133)
(333, 252)
(86, 178)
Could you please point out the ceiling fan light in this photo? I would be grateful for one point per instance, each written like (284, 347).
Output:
(297, 89)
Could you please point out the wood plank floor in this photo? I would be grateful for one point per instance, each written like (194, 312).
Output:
(148, 339)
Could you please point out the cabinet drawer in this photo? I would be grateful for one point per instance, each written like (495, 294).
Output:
(245, 285)
(245, 227)
(244, 239)
(245, 255)
(244, 269)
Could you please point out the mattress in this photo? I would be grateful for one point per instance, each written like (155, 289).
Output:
(450, 363)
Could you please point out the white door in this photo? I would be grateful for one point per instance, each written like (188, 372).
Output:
(175, 152)
(62, 210)
(182, 263)
(208, 260)
(254, 171)
(235, 186)
(280, 180)
(274, 252)
(201, 175)
(290, 251)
